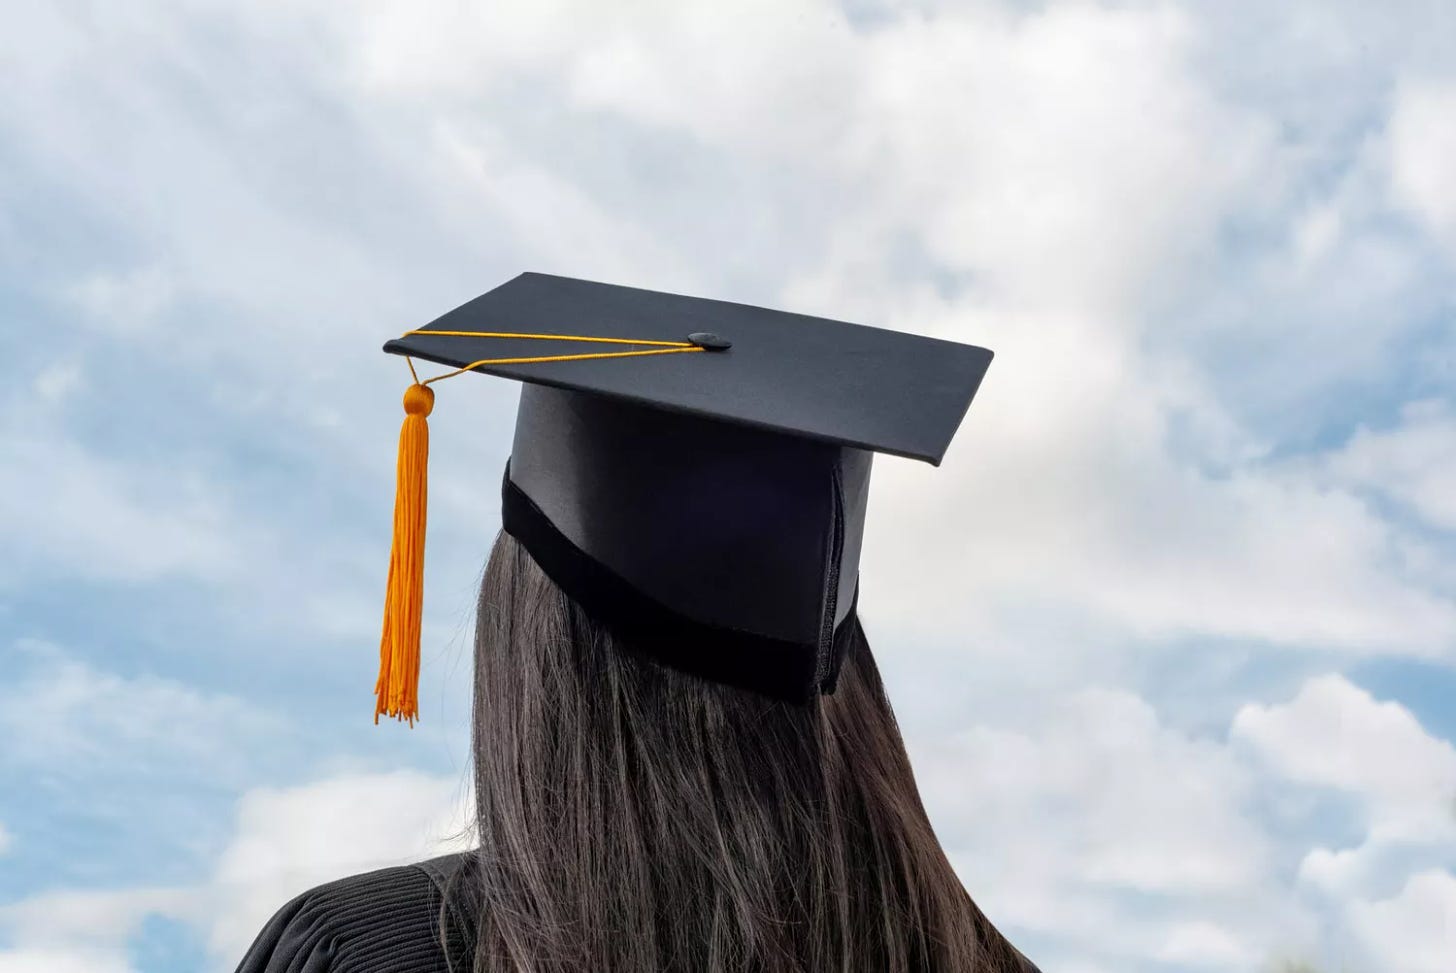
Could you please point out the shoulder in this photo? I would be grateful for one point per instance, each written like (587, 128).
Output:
(388, 919)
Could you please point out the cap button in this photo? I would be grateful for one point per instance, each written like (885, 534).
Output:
(709, 341)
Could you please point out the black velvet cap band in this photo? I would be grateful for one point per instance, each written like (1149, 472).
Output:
(774, 667)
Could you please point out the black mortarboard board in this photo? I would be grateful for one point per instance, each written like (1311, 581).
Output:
(709, 507)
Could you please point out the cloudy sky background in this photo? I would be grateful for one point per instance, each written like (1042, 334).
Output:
(1172, 631)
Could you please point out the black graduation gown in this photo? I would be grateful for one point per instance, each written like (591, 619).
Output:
(386, 921)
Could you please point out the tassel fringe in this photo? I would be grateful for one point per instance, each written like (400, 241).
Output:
(397, 689)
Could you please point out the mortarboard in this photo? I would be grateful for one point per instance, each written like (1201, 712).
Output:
(693, 473)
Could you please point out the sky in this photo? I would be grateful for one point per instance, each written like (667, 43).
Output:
(1171, 632)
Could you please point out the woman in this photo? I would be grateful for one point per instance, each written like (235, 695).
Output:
(684, 757)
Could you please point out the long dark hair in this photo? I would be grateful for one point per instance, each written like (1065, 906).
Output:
(633, 819)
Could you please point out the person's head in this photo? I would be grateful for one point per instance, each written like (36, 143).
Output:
(636, 818)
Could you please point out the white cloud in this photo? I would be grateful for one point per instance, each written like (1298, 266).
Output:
(85, 930)
(83, 720)
(1203, 944)
(494, 183)
(126, 301)
(1071, 496)
(100, 920)
(66, 511)
(673, 66)
(1105, 835)
(1412, 462)
(1060, 156)
(1414, 932)
(684, 67)
(1421, 144)
(1335, 734)
(1069, 827)
(64, 960)
(56, 382)
(445, 52)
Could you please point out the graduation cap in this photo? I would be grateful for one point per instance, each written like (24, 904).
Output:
(693, 473)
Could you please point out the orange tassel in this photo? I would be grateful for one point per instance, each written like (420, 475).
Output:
(397, 690)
